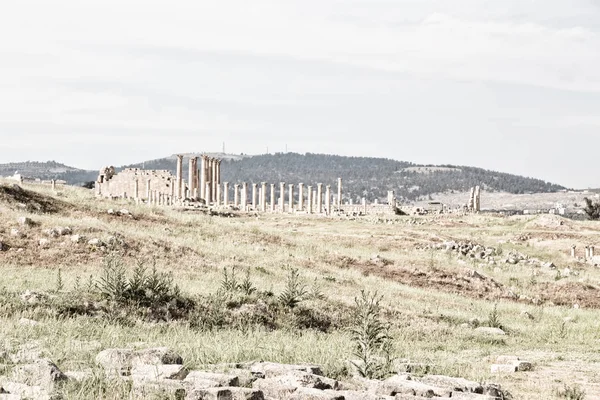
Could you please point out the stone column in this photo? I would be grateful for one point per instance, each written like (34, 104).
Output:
(226, 193)
(203, 177)
(53, 183)
(254, 203)
(587, 253)
(179, 175)
(291, 198)
(477, 199)
(213, 178)
(148, 189)
(591, 252)
(236, 195)
(208, 190)
(328, 199)
(263, 197)
(471, 205)
(218, 197)
(244, 196)
(136, 189)
(282, 196)
(272, 197)
(364, 204)
(192, 175)
(300, 196)
(319, 198)
(172, 185)
(339, 192)
(309, 201)
(219, 171)
(573, 251)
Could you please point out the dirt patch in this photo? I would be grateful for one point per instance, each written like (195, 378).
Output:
(18, 198)
(570, 293)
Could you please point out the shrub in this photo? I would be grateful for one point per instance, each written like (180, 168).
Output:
(571, 393)
(592, 209)
(371, 337)
(295, 291)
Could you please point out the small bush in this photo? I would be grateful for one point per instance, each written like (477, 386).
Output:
(371, 337)
(295, 291)
(494, 318)
(592, 209)
(571, 393)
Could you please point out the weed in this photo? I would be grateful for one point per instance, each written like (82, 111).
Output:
(571, 393)
(229, 282)
(246, 287)
(59, 281)
(371, 337)
(494, 318)
(294, 292)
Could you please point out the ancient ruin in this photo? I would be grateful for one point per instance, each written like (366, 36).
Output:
(204, 187)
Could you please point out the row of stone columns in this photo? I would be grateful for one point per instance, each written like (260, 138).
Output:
(204, 182)
(315, 200)
(589, 252)
(475, 199)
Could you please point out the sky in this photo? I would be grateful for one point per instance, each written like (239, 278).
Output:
(510, 85)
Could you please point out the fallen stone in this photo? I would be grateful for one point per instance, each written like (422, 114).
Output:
(24, 391)
(453, 384)
(28, 322)
(95, 242)
(77, 238)
(44, 243)
(305, 379)
(471, 396)
(80, 376)
(401, 385)
(42, 372)
(226, 394)
(25, 221)
(158, 372)
(166, 388)
(273, 369)
(490, 331)
(360, 395)
(119, 362)
(64, 230)
(203, 378)
(8, 396)
(17, 233)
(303, 393)
(503, 368)
(274, 389)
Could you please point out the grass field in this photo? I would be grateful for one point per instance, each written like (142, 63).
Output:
(431, 298)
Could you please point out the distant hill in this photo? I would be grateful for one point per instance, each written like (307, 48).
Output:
(362, 176)
(365, 176)
(48, 170)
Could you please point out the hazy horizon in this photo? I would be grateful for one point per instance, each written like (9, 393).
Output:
(510, 86)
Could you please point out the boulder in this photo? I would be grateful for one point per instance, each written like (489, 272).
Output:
(231, 393)
(25, 221)
(485, 330)
(119, 362)
(503, 368)
(201, 379)
(303, 393)
(42, 372)
(274, 389)
(305, 379)
(401, 385)
(23, 391)
(453, 384)
(158, 372)
(268, 369)
(160, 389)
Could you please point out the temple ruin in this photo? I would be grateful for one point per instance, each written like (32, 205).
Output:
(204, 187)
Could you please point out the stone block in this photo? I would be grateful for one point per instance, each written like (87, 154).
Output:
(231, 393)
(503, 369)
(158, 372)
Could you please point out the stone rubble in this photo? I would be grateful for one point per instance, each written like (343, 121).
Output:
(161, 371)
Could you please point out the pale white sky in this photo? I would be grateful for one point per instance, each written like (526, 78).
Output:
(511, 85)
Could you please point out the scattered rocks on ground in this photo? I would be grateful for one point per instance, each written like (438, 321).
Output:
(510, 364)
(25, 221)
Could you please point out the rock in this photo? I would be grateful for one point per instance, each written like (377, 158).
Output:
(77, 238)
(52, 232)
(471, 396)
(162, 389)
(198, 378)
(31, 297)
(273, 369)
(305, 379)
(549, 265)
(401, 385)
(158, 372)
(226, 394)
(25, 221)
(503, 369)
(110, 211)
(274, 389)
(44, 243)
(359, 395)
(118, 362)
(8, 396)
(42, 372)
(16, 233)
(3, 246)
(80, 376)
(453, 384)
(64, 230)
(124, 212)
(490, 331)
(23, 391)
(28, 322)
(315, 394)
(95, 242)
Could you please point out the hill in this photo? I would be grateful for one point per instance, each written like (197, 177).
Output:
(367, 177)
(363, 176)
(48, 170)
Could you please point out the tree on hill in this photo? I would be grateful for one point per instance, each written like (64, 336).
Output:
(592, 209)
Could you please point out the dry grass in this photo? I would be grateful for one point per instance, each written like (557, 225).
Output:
(427, 297)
